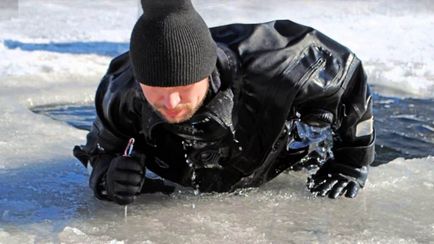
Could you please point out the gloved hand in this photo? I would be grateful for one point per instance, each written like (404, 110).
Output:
(124, 179)
(335, 179)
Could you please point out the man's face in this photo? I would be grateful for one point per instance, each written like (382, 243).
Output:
(179, 103)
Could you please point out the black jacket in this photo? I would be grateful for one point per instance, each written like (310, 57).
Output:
(266, 74)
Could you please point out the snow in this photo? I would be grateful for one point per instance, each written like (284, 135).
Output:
(394, 41)
(43, 190)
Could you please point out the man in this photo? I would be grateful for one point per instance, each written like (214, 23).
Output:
(217, 109)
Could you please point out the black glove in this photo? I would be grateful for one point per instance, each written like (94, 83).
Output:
(334, 179)
(124, 179)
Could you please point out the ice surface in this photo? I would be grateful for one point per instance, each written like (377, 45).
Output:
(396, 205)
(43, 190)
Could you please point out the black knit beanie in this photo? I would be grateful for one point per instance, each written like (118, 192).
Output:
(171, 45)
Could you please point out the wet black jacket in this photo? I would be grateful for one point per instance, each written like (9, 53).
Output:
(266, 74)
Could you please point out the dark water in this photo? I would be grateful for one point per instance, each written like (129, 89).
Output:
(404, 127)
(103, 48)
(80, 116)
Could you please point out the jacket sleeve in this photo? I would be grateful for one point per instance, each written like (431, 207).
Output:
(102, 145)
(296, 68)
(354, 139)
(328, 79)
(96, 155)
(113, 126)
(349, 112)
(116, 118)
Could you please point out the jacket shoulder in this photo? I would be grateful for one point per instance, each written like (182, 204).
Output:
(233, 34)
(283, 49)
(118, 98)
(119, 63)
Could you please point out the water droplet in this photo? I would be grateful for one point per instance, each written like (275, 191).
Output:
(190, 164)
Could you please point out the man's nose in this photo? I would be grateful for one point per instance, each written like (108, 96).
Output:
(172, 100)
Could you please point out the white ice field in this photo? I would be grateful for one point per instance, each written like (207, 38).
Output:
(44, 196)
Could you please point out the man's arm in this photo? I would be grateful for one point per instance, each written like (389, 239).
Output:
(96, 155)
(354, 141)
(115, 123)
(321, 79)
(331, 90)
(354, 136)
